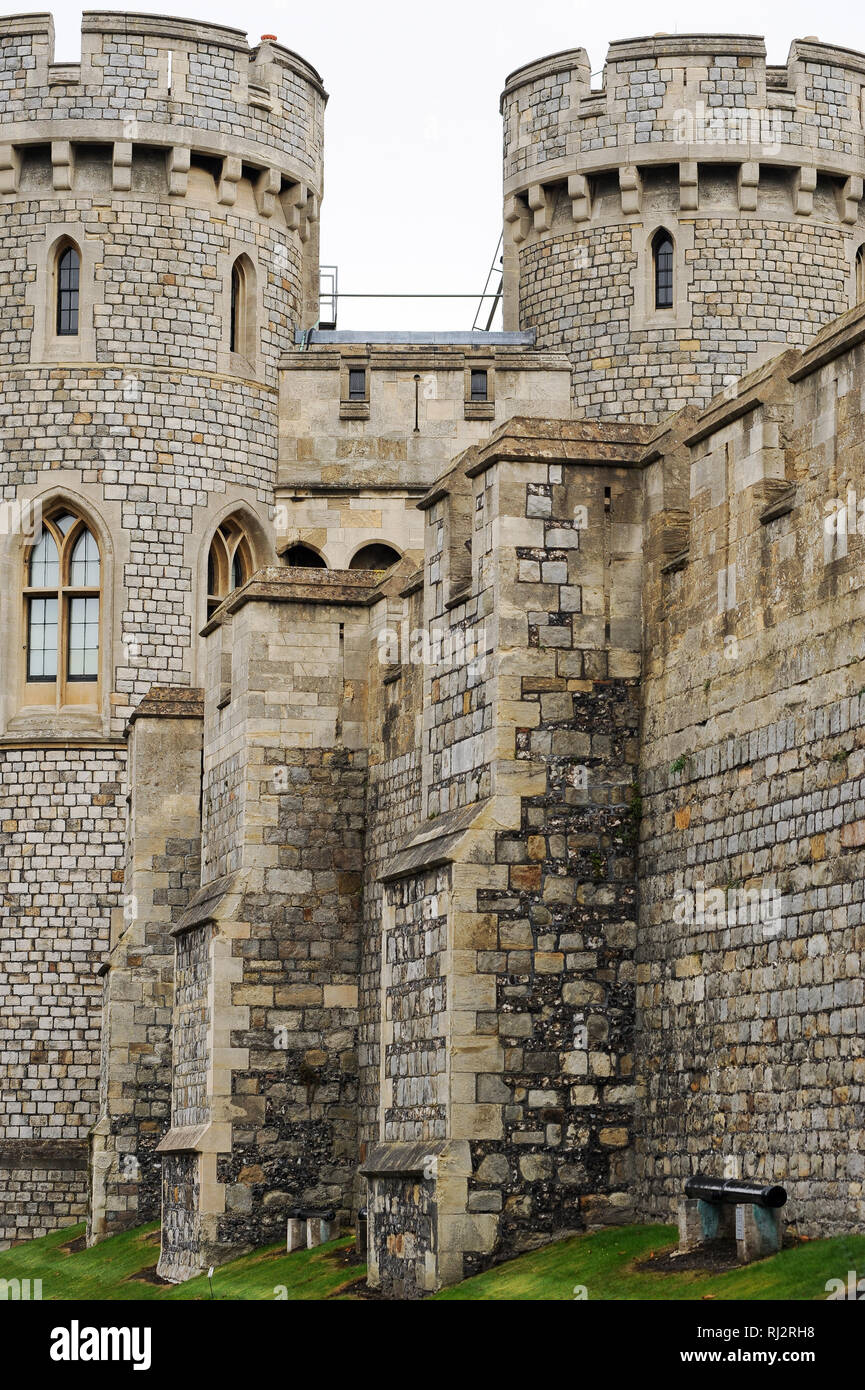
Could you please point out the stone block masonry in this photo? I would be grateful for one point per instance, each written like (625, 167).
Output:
(63, 828)
(162, 873)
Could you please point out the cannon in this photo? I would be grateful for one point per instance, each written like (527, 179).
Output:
(309, 1226)
(732, 1191)
(730, 1208)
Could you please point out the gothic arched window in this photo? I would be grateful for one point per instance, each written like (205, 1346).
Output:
(229, 562)
(662, 264)
(68, 278)
(62, 586)
(860, 274)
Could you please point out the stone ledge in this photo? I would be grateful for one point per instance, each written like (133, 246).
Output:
(300, 584)
(524, 438)
(66, 1155)
(183, 1139)
(401, 1159)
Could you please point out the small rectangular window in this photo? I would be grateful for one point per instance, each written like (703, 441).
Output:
(357, 383)
(479, 384)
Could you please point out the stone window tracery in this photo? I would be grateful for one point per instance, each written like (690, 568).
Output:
(62, 591)
(229, 562)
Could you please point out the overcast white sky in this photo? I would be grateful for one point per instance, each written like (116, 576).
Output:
(413, 133)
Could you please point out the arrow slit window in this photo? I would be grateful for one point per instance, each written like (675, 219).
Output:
(662, 258)
(68, 288)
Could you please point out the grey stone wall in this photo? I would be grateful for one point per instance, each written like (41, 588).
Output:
(750, 993)
(155, 431)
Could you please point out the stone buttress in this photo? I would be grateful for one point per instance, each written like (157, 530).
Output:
(264, 1096)
(506, 1043)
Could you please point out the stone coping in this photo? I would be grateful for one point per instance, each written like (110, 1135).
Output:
(213, 902)
(435, 357)
(409, 1159)
(836, 338)
(436, 842)
(751, 391)
(183, 1139)
(524, 438)
(169, 702)
(300, 584)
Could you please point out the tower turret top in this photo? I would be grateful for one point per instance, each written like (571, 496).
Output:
(669, 98)
(164, 81)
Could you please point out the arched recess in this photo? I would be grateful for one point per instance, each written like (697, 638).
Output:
(242, 315)
(374, 555)
(859, 275)
(63, 292)
(304, 556)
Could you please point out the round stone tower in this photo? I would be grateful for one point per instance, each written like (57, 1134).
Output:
(158, 220)
(696, 214)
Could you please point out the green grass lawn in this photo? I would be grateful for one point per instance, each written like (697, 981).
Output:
(108, 1271)
(603, 1263)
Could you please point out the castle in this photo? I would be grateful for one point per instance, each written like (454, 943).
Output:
(432, 765)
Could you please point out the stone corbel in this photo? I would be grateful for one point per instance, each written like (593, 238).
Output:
(121, 166)
(300, 206)
(293, 203)
(540, 201)
(177, 163)
(232, 172)
(748, 185)
(850, 195)
(689, 186)
(310, 214)
(267, 186)
(517, 216)
(580, 194)
(804, 184)
(631, 188)
(63, 165)
(10, 169)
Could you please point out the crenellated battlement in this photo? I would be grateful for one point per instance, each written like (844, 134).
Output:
(752, 177)
(687, 100)
(175, 84)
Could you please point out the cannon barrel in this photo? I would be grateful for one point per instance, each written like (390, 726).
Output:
(732, 1190)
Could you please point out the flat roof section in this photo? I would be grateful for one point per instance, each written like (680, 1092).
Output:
(526, 338)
